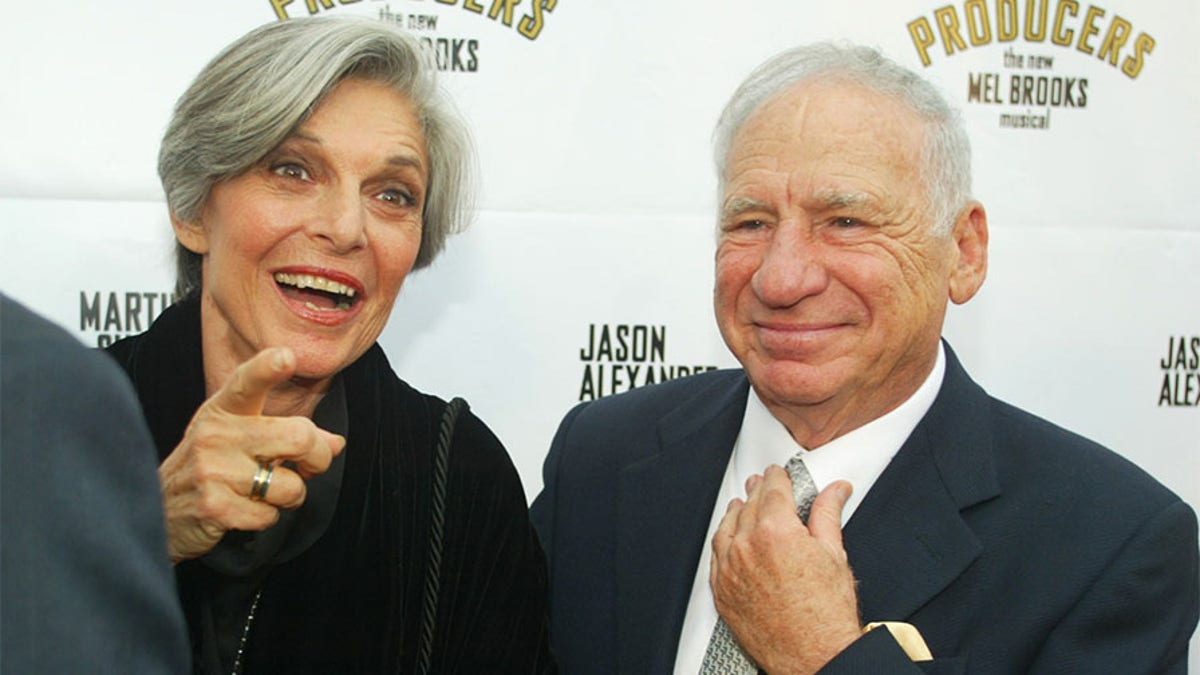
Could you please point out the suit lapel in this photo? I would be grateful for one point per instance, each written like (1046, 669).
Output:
(665, 502)
(908, 541)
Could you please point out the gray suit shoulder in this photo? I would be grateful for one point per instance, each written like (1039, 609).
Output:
(42, 351)
(86, 576)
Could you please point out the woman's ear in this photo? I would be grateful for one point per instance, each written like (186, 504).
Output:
(970, 236)
(192, 236)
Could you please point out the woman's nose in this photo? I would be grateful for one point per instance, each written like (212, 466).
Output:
(341, 221)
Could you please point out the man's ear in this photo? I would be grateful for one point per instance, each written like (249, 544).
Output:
(193, 236)
(970, 235)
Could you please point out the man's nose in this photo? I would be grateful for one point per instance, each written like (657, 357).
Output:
(792, 267)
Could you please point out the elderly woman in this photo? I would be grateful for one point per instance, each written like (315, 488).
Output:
(324, 516)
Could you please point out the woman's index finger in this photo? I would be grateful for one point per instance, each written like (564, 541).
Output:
(245, 391)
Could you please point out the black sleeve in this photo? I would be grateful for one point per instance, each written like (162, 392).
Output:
(493, 609)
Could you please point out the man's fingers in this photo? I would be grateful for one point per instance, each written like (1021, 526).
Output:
(246, 390)
(774, 493)
(777, 478)
(723, 537)
(759, 487)
(825, 520)
(752, 483)
(727, 527)
(728, 524)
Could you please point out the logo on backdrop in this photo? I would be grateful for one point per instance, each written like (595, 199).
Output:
(112, 315)
(620, 357)
(1181, 372)
(1035, 43)
(453, 53)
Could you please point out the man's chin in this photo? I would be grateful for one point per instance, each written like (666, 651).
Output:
(793, 384)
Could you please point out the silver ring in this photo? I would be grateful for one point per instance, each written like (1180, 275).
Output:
(262, 481)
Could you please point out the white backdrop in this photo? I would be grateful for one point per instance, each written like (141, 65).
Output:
(598, 195)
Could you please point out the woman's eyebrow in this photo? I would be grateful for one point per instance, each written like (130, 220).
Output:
(406, 161)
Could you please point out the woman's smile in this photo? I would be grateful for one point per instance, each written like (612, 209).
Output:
(323, 296)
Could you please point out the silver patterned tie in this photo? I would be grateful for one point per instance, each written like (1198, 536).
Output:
(724, 655)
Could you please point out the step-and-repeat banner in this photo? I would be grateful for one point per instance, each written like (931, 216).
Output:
(588, 268)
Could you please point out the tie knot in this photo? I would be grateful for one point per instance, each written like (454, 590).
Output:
(804, 490)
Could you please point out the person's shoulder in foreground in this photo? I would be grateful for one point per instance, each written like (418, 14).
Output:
(86, 584)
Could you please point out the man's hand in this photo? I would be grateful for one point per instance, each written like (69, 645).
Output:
(785, 590)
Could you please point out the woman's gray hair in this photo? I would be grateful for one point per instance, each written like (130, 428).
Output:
(946, 161)
(262, 87)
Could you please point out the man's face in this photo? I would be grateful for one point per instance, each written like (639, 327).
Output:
(831, 278)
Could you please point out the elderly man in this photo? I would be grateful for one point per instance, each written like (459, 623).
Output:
(998, 542)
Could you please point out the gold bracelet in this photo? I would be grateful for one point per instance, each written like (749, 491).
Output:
(907, 636)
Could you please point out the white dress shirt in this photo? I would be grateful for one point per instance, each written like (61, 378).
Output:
(858, 457)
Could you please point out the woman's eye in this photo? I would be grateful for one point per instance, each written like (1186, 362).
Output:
(398, 197)
(290, 170)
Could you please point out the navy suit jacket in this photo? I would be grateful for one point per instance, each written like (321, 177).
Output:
(1013, 545)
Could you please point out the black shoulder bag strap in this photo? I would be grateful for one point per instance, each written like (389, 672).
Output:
(433, 570)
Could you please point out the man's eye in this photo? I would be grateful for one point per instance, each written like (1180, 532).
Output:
(398, 197)
(751, 225)
(846, 221)
(290, 170)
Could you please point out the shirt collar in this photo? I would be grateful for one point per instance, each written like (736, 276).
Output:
(859, 456)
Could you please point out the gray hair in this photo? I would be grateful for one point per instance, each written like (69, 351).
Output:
(258, 90)
(946, 158)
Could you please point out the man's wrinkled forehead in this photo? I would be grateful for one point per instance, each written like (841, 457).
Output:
(795, 96)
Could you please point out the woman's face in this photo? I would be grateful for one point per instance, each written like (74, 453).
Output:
(309, 247)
